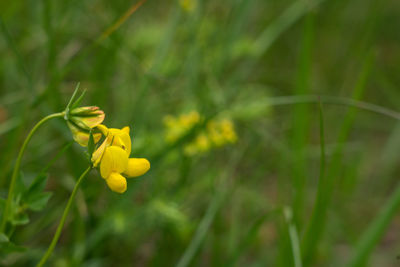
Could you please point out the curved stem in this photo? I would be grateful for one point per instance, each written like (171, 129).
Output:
(333, 100)
(17, 166)
(62, 221)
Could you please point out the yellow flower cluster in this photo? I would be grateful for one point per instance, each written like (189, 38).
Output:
(113, 157)
(178, 127)
(188, 5)
(113, 154)
(217, 133)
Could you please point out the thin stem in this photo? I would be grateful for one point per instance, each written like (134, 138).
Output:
(120, 21)
(341, 101)
(17, 166)
(62, 221)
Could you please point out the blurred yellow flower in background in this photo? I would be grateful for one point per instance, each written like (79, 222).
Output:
(221, 132)
(178, 127)
(200, 144)
(188, 5)
(217, 133)
(113, 157)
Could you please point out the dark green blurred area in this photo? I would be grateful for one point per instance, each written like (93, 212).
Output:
(222, 57)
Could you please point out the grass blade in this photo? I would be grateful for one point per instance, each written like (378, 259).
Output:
(281, 24)
(249, 238)
(215, 205)
(312, 234)
(294, 237)
(325, 185)
(202, 230)
(301, 120)
(375, 230)
(121, 20)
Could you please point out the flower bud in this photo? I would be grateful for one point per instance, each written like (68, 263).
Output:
(81, 120)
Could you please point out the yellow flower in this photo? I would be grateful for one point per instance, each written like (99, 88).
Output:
(82, 120)
(178, 127)
(188, 5)
(228, 131)
(217, 134)
(201, 144)
(113, 157)
(221, 132)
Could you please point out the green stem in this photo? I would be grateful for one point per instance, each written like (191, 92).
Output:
(17, 166)
(341, 101)
(62, 221)
(294, 236)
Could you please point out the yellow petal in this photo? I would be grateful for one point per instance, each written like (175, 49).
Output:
(114, 159)
(202, 142)
(116, 182)
(126, 129)
(137, 167)
(98, 154)
(103, 129)
(121, 139)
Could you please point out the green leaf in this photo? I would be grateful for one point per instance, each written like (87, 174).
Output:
(37, 186)
(79, 100)
(39, 201)
(20, 219)
(34, 198)
(3, 238)
(9, 247)
(72, 99)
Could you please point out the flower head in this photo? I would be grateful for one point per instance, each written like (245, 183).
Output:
(113, 157)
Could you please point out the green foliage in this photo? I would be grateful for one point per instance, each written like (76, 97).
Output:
(28, 198)
(264, 64)
(34, 197)
(7, 247)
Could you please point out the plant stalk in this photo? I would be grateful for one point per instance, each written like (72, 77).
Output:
(62, 221)
(17, 166)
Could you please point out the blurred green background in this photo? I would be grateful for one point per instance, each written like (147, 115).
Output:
(229, 58)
